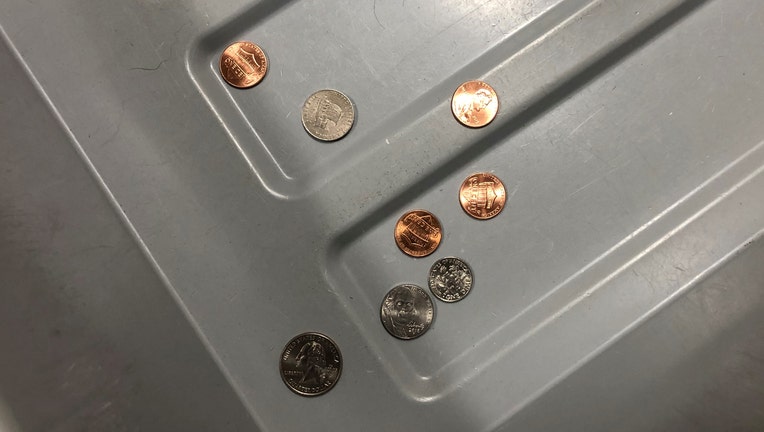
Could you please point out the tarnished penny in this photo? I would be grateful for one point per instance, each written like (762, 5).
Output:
(310, 364)
(474, 104)
(450, 279)
(418, 233)
(243, 64)
(328, 115)
(407, 311)
(482, 195)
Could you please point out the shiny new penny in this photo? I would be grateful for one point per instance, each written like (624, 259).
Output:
(450, 279)
(407, 311)
(310, 364)
(243, 64)
(418, 233)
(474, 104)
(482, 195)
(328, 115)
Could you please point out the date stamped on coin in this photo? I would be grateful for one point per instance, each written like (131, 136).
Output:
(474, 104)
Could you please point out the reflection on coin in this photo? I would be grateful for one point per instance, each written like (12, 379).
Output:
(407, 311)
(328, 115)
(450, 279)
(474, 104)
(482, 195)
(243, 64)
(310, 364)
(418, 233)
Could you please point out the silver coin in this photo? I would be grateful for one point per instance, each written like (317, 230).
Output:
(450, 279)
(407, 311)
(328, 115)
(310, 364)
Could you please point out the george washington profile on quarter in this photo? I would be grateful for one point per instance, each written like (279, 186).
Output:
(310, 364)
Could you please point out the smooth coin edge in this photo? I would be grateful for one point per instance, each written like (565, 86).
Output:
(220, 66)
(395, 232)
(482, 217)
(498, 105)
(382, 306)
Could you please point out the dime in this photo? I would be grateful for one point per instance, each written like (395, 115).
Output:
(450, 279)
(243, 64)
(418, 233)
(407, 311)
(482, 195)
(474, 104)
(310, 364)
(328, 115)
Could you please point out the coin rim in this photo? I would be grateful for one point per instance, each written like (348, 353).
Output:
(482, 217)
(281, 367)
(498, 104)
(472, 274)
(395, 234)
(302, 116)
(220, 65)
(382, 307)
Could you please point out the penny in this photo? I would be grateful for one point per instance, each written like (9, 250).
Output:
(310, 364)
(474, 104)
(243, 64)
(418, 233)
(407, 311)
(450, 279)
(482, 195)
(328, 115)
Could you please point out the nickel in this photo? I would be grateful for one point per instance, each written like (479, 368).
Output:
(310, 364)
(482, 195)
(407, 311)
(243, 64)
(328, 115)
(418, 233)
(450, 279)
(474, 104)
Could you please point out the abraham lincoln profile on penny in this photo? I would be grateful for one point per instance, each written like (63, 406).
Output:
(474, 104)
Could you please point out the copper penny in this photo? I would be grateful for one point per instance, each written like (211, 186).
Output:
(482, 195)
(243, 64)
(474, 104)
(310, 364)
(418, 233)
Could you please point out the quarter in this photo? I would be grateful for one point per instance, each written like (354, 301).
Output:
(310, 364)
(328, 115)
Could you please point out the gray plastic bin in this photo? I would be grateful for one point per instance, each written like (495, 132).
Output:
(163, 235)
